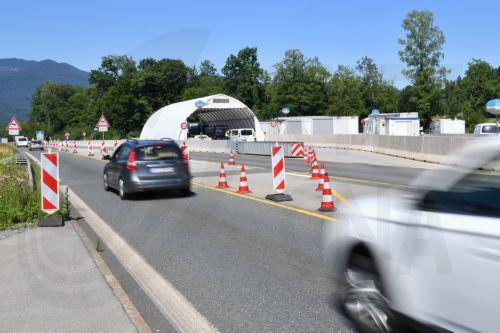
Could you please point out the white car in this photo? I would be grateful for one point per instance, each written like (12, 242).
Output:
(21, 141)
(241, 134)
(430, 260)
(202, 137)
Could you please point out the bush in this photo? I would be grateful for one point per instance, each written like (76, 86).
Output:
(18, 203)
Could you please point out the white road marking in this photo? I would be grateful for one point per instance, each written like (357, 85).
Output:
(172, 304)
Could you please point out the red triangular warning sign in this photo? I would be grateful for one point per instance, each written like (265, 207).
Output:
(102, 122)
(14, 125)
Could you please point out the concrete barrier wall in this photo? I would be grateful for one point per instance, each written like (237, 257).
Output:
(423, 148)
(264, 147)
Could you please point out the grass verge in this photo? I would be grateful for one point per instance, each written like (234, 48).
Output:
(19, 206)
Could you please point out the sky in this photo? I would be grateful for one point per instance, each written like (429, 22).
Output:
(337, 32)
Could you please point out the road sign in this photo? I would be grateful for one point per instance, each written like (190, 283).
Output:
(297, 149)
(285, 111)
(50, 182)
(66, 134)
(184, 125)
(102, 122)
(40, 135)
(274, 123)
(13, 127)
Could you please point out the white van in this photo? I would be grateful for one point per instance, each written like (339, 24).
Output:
(487, 128)
(21, 141)
(241, 134)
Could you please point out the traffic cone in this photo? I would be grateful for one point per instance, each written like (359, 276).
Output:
(306, 157)
(222, 177)
(243, 182)
(231, 158)
(75, 150)
(67, 146)
(315, 170)
(90, 149)
(327, 204)
(321, 178)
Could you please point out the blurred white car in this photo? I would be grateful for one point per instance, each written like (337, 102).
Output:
(429, 261)
(202, 137)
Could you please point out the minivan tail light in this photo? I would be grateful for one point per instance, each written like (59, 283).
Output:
(131, 163)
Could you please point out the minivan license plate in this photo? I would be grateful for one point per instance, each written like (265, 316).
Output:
(162, 170)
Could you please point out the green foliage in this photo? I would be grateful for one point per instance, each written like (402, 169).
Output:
(422, 53)
(18, 204)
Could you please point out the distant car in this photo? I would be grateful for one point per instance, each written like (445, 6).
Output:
(241, 134)
(202, 137)
(21, 141)
(144, 165)
(35, 145)
(486, 128)
(429, 261)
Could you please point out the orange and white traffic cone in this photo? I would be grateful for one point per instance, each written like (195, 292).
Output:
(327, 204)
(231, 158)
(67, 146)
(321, 182)
(315, 170)
(90, 149)
(75, 150)
(306, 156)
(243, 182)
(222, 177)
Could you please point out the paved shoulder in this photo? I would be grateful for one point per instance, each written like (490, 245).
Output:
(49, 283)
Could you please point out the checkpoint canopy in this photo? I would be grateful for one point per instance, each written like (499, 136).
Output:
(217, 110)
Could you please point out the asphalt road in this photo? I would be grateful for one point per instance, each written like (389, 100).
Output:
(244, 265)
(394, 175)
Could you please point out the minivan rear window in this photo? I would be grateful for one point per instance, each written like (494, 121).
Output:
(157, 152)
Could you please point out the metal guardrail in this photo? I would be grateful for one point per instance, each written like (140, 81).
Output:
(264, 147)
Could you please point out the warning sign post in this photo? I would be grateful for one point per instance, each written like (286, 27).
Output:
(14, 127)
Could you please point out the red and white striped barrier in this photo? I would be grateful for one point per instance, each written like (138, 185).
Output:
(90, 149)
(75, 149)
(297, 150)
(50, 182)
(278, 165)
(104, 150)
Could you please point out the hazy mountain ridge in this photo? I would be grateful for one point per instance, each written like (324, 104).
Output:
(19, 78)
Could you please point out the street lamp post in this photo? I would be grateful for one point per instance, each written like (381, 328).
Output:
(493, 107)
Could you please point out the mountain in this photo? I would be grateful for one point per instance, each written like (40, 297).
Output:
(19, 78)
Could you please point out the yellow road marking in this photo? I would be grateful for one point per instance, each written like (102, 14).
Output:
(267, 202)
(305, 175)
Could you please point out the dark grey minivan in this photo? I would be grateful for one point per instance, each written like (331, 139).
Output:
(147, 165)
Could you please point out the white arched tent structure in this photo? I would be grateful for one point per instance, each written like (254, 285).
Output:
(216, 110)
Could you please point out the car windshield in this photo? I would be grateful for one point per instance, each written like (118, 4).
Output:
(157, 152)
(491, 129)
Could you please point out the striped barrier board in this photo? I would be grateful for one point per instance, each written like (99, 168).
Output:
(278, 164)
(297, 150)
(50, 182)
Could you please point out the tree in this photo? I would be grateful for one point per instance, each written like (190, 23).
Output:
(299, 83)
(422, 53)
(376, 92)
(243, 77)
(207, 69)
(112, 67)
(162, 82)
(345, 93)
